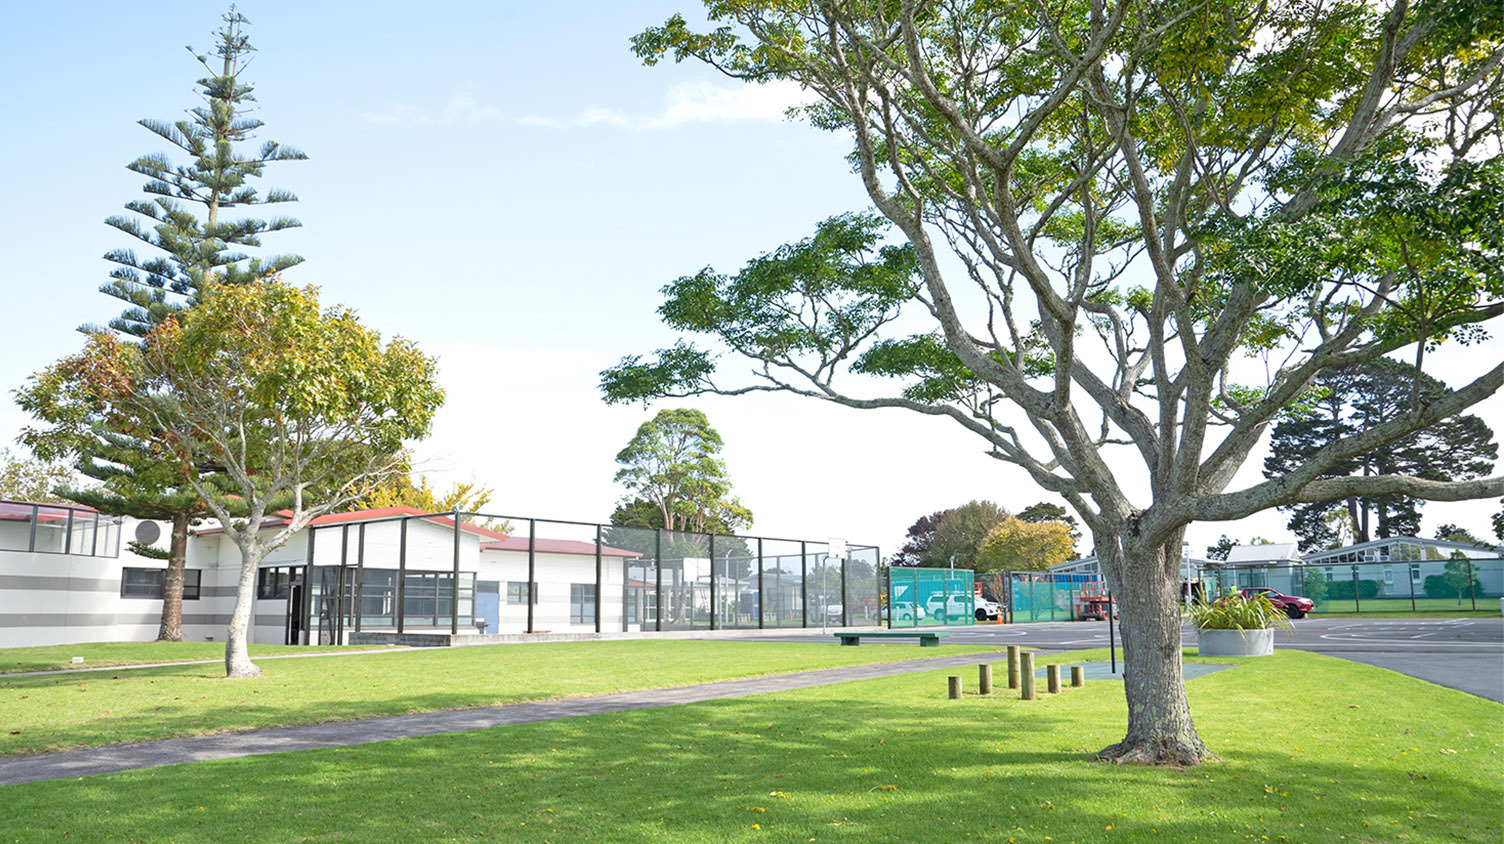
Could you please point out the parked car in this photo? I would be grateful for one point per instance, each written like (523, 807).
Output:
(988, 610)
(1293, 605)
(939, 609)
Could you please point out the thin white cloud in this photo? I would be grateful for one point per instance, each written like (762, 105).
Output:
(695, 102)
(461, 110)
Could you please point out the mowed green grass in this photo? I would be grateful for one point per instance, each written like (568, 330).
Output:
(90, 709)
(1314, 749)
(1400, 607)
(110, 654)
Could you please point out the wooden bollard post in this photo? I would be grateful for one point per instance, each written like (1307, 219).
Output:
(1078, 676)
(1013, 651)
(1026, 676)
(984, 678)
(955, 687)
(1052, 678)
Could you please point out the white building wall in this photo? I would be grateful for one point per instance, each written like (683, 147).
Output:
(555, 574)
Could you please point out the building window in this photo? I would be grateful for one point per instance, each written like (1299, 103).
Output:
(1414, 574)
(273, 583)
(148, 583)
(517, 592)
(581, 603)
(1388, 576)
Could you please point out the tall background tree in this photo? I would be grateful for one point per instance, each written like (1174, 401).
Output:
(1354, 399)
(959, 535)
(676, 478)
(189, 241)
(31, 479)
(1103, 208)
(1017, 545)
(1044, 511)
(917, 540)
(297, 408)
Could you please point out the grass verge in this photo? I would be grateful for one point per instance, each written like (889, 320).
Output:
(59, 712)
(112, 654)
(1313, 748)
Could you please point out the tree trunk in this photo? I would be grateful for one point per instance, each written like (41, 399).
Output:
(171, 629)
(237, 654)
(1160, 731)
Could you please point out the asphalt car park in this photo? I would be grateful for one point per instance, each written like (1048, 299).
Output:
(1459, 653)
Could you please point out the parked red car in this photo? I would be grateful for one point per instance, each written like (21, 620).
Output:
(1295, 607)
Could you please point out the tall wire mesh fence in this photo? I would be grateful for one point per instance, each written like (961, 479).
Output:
(482, 573)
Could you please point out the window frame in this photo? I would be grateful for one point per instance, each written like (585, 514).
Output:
(192, 584)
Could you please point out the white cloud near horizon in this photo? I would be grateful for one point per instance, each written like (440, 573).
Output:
(693, 102)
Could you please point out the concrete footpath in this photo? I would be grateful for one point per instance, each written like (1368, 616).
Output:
(152, 754)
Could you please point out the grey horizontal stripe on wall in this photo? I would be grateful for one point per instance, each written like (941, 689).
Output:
(24, 582)
(113, 619)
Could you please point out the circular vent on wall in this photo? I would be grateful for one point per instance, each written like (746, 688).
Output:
(148, 533)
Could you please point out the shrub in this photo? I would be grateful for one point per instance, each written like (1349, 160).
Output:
(1438, 587)
(1314, 584)
(1342, 590)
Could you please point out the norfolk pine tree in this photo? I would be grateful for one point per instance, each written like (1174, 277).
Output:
(1104, 206)
(190, 242)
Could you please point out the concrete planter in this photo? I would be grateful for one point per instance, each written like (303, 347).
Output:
(1235, 642)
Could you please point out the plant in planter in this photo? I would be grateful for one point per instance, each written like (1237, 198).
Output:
(1237, 625)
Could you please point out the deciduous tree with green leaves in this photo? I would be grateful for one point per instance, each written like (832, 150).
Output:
(673, 465)
(1103, 208)
(960, 533)
(298, 409)
(1017, 545)
(33, 479)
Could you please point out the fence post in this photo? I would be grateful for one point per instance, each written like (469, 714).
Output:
(401, 575)
(804, 583)
(1078, 676)
(532, 570)
(984, 678)
(1026, 692)
(955, 687)
(658, 579)
(600, 585)
(761, 587)
(1052, 678)
(1013, 657)
(714, 592)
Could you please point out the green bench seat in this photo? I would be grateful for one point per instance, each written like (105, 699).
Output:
(926, 639)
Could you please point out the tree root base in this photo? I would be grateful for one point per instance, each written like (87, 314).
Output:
(249, 671)
(1168, 752)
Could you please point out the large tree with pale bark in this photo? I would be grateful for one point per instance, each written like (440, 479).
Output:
(266, 404)
(1132, 235)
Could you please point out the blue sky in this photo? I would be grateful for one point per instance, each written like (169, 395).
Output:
(507, 185)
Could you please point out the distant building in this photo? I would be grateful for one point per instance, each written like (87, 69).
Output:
(67, 575)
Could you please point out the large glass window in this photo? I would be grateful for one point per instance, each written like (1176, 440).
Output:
(148, 583)
(517, 592)
(581, 603)
(273, 582)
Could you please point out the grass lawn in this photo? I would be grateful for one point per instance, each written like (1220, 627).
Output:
(109, 654)
(1399, 607)
(1314, 749)
(97, 708)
